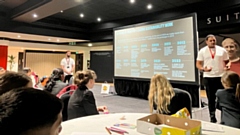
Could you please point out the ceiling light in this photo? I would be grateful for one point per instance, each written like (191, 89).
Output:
(58, 40)
(99, 19)
(18, 36)
(149, 6)
(35, 15)
(89, 44)
(132, 1)
(49, 39)
(61, 11)
(81, 15)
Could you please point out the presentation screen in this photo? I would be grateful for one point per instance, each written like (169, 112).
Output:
(167, 47)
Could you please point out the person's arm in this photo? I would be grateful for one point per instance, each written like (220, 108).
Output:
(200, 61)
(89, 104)
(73, 65)
(199, 65)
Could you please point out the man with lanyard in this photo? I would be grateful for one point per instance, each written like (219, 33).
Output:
(68, 65)
(212, 60)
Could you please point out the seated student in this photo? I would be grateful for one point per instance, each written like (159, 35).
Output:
(28, 72)
(232, 49)
(228, 99)
(27, 111)
(166, 99)
(55, 82)
(82, 102)
(2, 70)
(13, 80)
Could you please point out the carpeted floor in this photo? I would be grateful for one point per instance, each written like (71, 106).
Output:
(121, 104)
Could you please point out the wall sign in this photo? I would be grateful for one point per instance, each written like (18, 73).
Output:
(229, 17)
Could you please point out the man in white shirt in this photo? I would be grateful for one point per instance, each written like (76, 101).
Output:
(68, 66)
(212, 60)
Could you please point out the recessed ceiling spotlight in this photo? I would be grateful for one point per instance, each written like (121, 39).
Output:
(149, 6)
(49, 39)
(61, 11)
(89, 44)
(58, 40)
(132, 1)
(81, 15)
(18, 36)
(35, 15)
(99, 19)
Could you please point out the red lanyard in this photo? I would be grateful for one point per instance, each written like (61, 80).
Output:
(67, 60)
(212, 53)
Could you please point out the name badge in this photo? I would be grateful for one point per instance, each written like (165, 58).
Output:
(219, 53)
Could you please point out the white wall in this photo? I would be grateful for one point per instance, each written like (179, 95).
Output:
(15, 47)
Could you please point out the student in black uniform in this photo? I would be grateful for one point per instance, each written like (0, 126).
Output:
(55, 83)
(165, 99)
(82, 102)
(228, 99)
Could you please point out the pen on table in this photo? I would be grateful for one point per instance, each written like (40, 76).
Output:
(118, 130)
(108, 131)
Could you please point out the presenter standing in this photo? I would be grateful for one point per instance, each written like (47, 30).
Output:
(212, 60)
(68, 66)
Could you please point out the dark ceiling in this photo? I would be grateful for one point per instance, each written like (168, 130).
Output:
(17, 16)
(108, 10)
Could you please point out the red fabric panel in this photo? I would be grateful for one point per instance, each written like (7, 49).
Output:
(3, 56)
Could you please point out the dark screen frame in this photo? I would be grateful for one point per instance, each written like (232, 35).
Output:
(195, 39)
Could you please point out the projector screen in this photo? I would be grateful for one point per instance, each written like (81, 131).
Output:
(167, 47)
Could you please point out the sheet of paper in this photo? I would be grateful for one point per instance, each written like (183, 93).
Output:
(84, 133)
(212, 127)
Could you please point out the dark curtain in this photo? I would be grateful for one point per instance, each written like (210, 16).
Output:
(3, 56)
(135, 88)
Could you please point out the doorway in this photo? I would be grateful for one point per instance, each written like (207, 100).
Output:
(20, 61)
(79, 62)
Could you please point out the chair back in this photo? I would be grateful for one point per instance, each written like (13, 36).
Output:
(65, 98)
(186, 99)
(68, 88)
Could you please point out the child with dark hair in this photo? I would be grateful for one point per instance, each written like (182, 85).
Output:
(82, 102)
(13, 80)
(228, 99)
(32, 75)
(27, 111)
(55, 82)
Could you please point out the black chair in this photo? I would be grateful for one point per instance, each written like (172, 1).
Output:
(184, 99)
(65, 98)
(181, 99)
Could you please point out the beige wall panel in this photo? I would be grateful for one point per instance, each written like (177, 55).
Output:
(44, 63)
